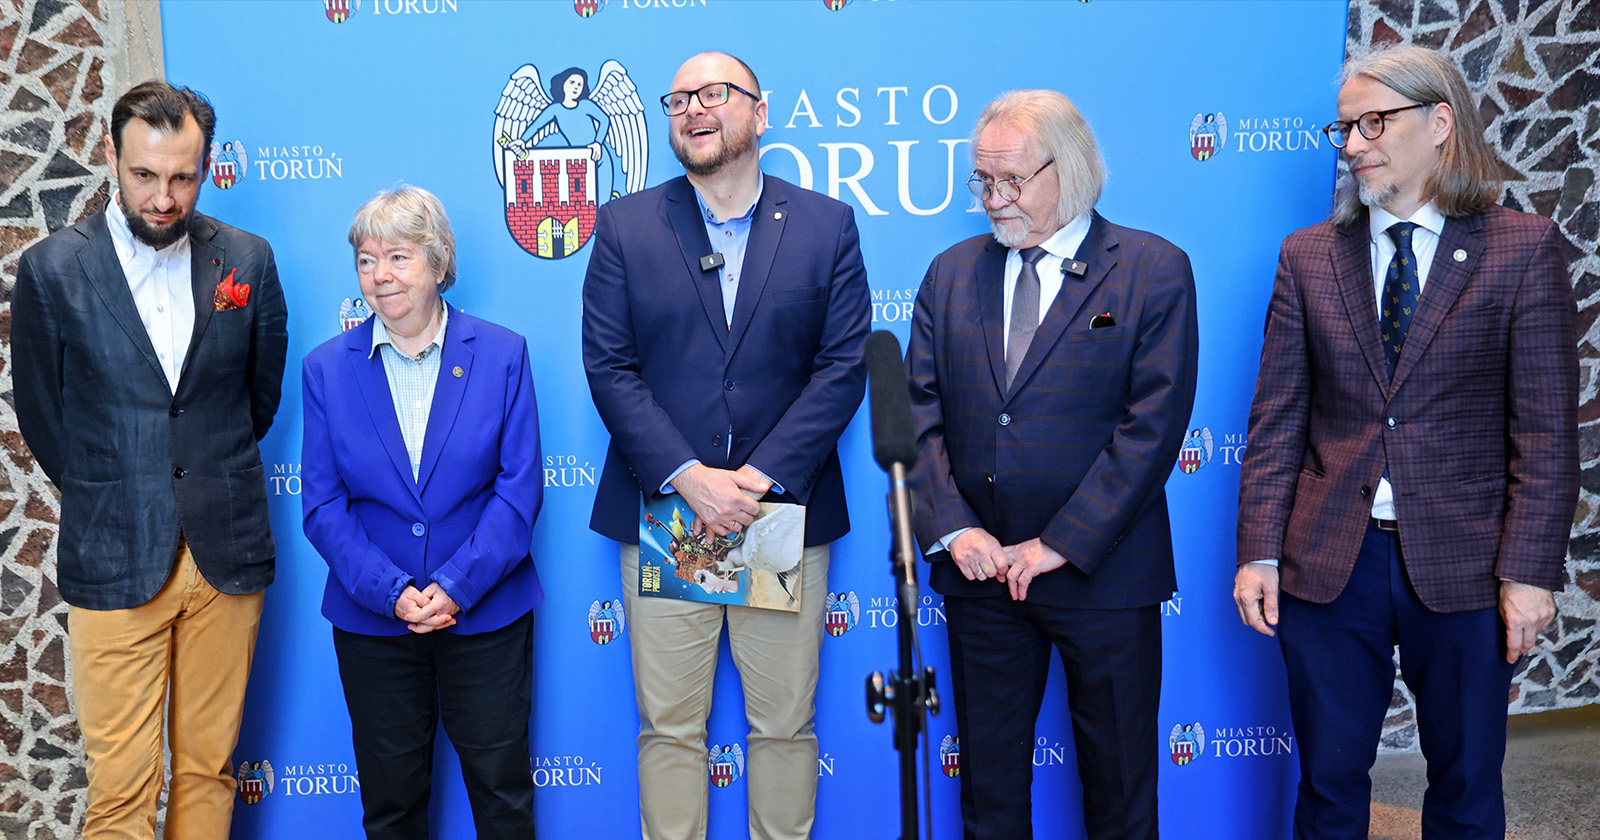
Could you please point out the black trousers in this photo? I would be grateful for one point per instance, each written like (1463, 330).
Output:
(1000, 659)
(398, 687)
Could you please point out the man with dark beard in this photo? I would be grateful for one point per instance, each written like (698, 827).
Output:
(147, 351)
(1052, 369)
(724, 315)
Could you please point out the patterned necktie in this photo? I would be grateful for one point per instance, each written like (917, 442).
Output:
(1024, 312)
(1400, 288)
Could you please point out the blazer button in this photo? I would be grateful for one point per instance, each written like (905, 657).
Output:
(727, 383)
(418, 529)
(1365, 491)
(1391, 422)
(174, 411)
(1005, 419)
(179, 472)
(716, 440)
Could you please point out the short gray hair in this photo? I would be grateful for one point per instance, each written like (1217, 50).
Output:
(1066, 137)
(1466, 179)
(409, 214)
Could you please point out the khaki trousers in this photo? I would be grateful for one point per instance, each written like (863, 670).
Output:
(674, 646)
(196, 643)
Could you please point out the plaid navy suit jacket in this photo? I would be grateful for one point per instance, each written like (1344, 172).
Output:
(1078, 451)
(1479, 427)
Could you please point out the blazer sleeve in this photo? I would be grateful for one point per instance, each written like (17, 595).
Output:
(793, 453)
(1542, 421)
(640, 428)
(1279, 420)
(941, 508)
(36, 368)
(269, 344)
(367, 574)
(1144, 446)
(505, 530)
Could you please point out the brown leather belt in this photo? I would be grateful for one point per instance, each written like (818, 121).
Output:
(1386, 525)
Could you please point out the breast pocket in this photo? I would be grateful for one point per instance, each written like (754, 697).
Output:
(804, 294)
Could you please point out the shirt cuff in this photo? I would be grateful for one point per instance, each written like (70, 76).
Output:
(944, 542)
(776, 487)
(1270, 561)
(666, 486)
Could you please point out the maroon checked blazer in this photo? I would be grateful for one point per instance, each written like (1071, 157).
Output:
(1478, 429)
(1078, 452)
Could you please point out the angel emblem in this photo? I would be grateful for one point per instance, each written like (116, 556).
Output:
(353, 313)
(255, 780)
(606, 621)
(228, 163)
(950, 756)
(843, 610)
(726, 764)
(1187, 742)
(1196, 450)
(608, 120)
(1207, 134)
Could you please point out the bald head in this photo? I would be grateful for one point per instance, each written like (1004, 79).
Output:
(716, 67)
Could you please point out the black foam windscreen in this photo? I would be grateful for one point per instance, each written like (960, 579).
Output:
(889, 401)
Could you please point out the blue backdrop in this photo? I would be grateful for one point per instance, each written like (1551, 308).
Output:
(1207, 113)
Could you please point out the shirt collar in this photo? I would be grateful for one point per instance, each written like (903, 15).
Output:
(1064, 243)
(1427, 217)
(130, 248)
(711, 219)
(380, 335)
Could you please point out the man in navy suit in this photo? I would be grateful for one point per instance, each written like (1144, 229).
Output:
(724, 315)
(147, 346)
(1052, 370)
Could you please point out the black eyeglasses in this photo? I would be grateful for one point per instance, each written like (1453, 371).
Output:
(714, 95)
(1009, 189)
(1369, 124)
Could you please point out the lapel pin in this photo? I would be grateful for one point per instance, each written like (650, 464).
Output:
(456, 371)
(216, 261)
(1461, 255)
(777, 216)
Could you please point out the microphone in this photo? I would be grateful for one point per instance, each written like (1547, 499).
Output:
(894, 439)
(711, 261)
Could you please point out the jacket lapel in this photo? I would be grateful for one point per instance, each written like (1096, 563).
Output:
(367, 370)
(447, 393)
(683, 213)
(98, 256)
(1352, 269)
(766, 229)
(206, 261)
(1446, 278)
(1096, 250)
(990, 273)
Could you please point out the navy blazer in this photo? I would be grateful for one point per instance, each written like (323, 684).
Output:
(1078, 452)
(465, 522)
(136, 463)
(673, 382)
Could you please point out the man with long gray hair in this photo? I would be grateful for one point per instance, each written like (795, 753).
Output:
(1413, 467)
(1052, 367)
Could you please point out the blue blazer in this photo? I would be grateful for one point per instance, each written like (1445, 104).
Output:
(1078, 451)
(673, 382)
(466, 522)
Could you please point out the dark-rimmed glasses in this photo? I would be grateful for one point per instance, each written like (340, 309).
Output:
(1009, 189)
(714, 95)
(1369, 124)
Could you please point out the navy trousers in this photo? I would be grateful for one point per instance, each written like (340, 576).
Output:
(1340, 659)
(999, 662)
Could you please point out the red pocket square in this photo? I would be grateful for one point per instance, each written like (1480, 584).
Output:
(230, 293)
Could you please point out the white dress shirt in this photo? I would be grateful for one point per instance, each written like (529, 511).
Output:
(162, 290)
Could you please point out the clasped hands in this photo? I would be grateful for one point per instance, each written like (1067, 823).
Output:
(723, 501)
(426, 610)
(980, 556)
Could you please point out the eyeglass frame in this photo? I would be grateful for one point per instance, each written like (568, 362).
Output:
(981, 188)
(1383, 116)
(695, 95)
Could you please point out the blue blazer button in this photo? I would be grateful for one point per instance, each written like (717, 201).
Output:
(418, 529)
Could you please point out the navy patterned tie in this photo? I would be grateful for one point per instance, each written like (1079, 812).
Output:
(1400, 288)
(1024, 312)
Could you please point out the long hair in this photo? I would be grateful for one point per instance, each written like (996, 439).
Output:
(1065, 136)
(1466, 179)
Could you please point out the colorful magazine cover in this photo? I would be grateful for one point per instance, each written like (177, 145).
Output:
(757, 567)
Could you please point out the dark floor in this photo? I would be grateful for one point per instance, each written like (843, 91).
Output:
(1552, 780)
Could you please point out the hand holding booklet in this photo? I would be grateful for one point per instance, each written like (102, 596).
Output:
(757, 567)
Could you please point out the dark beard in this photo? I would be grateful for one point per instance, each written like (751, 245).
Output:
(733, 145)
(155, 237)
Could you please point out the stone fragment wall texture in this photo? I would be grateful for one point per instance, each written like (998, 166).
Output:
(1532, 62)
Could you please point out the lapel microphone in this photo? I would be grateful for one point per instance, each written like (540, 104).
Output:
(711, 261)
(1076, 268)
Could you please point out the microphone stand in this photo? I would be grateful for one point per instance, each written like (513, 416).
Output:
(907, 693)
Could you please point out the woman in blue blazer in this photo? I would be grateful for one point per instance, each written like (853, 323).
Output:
(420, 484)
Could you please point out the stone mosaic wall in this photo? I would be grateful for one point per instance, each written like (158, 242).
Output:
(1533, 61)
(57, 71)
(1534, 65)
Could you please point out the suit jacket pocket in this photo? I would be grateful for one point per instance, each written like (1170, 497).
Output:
(804, 294)
(94, 531)
(247, 515)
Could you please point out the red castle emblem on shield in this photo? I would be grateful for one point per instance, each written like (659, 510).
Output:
(950, 756)
(843, 610)
(606, 621)
(228, 164)
(1186, 742)
(1207, 134)
(726, 764)
(339, 10)
(587, 8)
